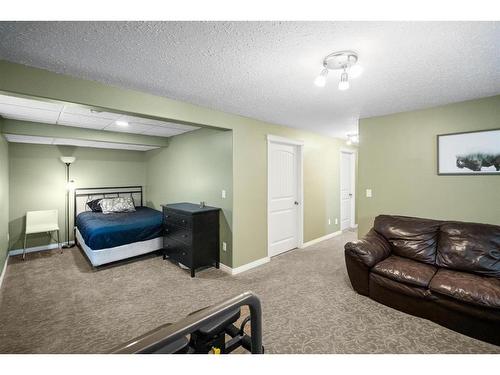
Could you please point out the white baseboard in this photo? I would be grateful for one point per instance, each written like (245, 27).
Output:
(319, 239)
(259, 262)
(4, 270)
(225, 268)
(245, 267)
(38, 248)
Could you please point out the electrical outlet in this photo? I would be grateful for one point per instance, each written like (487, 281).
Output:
(336, 221)
(223, 194)
(368, 193)
(224, 246)
(329, 221)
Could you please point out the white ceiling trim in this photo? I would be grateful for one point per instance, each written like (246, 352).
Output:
(19, 138)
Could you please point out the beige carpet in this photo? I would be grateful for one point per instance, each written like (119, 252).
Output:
(56, 303)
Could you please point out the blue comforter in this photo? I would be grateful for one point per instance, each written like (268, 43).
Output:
(100, 231)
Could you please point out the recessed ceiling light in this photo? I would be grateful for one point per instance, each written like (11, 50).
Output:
(121, 123)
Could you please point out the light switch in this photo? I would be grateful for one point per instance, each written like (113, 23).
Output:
(224, 246)
(223, 194)
(368, 193)
(329, 221)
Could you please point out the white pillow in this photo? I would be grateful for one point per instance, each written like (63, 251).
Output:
(121, 204)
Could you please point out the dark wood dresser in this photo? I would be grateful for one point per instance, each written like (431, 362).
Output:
(191, 235)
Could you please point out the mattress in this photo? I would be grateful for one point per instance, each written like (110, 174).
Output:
(102, 231)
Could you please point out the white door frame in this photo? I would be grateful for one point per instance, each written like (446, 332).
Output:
(354, 155)
(300, 185)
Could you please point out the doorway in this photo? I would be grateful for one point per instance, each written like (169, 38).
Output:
(347, 189)
(285, 194)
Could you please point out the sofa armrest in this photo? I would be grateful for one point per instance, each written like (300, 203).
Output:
(363, 254)
(369, 250)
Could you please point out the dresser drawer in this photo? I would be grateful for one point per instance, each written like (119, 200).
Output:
(178, 233)
(184, 221)
(178, 251)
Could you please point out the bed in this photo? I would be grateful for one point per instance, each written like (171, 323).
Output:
(107, 238)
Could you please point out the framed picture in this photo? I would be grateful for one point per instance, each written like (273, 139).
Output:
(469, 153)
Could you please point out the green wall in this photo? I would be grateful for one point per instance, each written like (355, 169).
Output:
(37, 180)
(321, 196)
(4, 198)
(321, 187)
(195, 167)
(397, 160)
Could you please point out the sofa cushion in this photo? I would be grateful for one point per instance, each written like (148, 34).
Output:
(470, 247)
(405, 270)
(410, 237)
(467, 287)
(396, 286)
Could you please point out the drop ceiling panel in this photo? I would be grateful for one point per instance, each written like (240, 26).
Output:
(142, 120)
(82, 121)
(78, 110)
(78, 116)
(163, 132)
(130, 128)
(173, 125)
(28, 114)
(30, 103)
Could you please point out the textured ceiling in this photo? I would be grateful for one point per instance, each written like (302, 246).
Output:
(265, 70)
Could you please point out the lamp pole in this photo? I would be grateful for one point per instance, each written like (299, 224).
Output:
(67, 161)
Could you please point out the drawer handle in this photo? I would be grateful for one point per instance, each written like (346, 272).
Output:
(183, 221)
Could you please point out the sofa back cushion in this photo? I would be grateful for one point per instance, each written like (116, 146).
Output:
(410, 237)
(470, 247)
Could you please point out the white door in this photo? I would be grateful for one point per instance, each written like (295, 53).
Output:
(283, 198)
(346, 189)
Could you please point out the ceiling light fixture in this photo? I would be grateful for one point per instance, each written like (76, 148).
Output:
(352, 139)
(121, 123)
(344, 81)
(343, 60)
(320, 80)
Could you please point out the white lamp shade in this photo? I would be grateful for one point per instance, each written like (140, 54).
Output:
(68, 159)
(320, 80)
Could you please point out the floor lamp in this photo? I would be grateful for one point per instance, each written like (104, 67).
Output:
(70, 186)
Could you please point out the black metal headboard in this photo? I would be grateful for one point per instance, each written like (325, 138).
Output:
(84, 195)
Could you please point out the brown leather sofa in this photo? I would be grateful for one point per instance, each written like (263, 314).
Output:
(444, 271)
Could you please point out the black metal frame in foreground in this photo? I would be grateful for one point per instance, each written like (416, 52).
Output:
(159, 338)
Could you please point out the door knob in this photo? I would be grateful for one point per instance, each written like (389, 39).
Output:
(296, 203)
